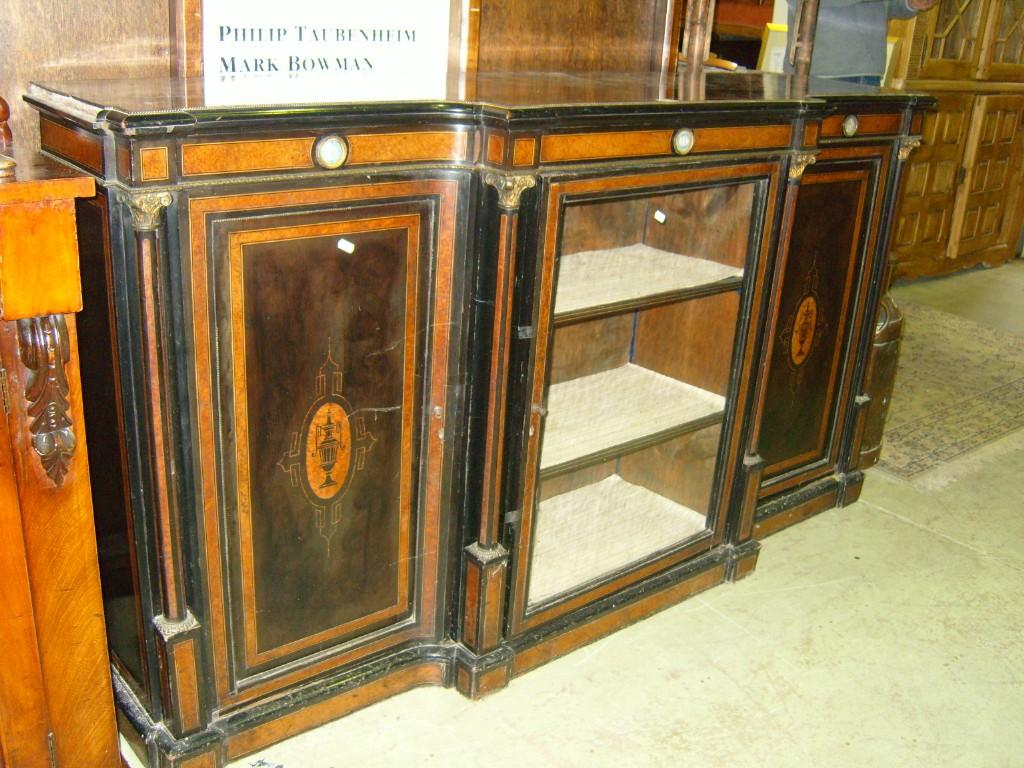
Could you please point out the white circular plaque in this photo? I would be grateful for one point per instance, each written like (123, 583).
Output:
(330, 152)
(682, 141)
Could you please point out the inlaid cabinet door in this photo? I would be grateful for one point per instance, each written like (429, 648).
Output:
(812, 332)
(925, 215)
(985, 213)
(323, 319)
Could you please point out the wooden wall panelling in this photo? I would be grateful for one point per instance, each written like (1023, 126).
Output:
(611, 36)
(53, 40)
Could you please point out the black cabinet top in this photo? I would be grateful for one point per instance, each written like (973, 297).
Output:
(177, 105)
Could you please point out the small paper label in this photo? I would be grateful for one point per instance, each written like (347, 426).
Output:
(346, 245)
(660, 217)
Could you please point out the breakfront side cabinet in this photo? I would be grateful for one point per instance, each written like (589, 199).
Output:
(962, 203)
(403, 394)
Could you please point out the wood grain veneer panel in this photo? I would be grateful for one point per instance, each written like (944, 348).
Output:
(155, 165)
(592, 225)
(54, 40)
(410, 147)
(187, 685)
(524, 152)
(682, 469)
(691, 341)
(60, 540)
(24, 719)
(867, 125)
(30, 285)
(610, 36)
(726, 213)
(427, 673)
(246, 156)
(73, 144)
(357, 359)
(582, 349)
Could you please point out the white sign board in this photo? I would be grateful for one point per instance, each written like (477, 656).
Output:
(313, 51)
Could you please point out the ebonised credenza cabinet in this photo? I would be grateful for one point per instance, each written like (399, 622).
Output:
(430, 393)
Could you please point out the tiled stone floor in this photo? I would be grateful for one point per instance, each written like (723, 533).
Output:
(889, 633)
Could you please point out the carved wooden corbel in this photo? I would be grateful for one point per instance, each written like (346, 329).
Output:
(798, 164)
(146, 208)
(510, 188)
(907, 145)
(45, 351)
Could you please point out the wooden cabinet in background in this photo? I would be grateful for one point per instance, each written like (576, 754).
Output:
(962, 203)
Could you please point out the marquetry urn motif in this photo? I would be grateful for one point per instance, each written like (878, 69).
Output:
(324, 453)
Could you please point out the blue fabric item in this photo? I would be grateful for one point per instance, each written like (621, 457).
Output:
(850, 38)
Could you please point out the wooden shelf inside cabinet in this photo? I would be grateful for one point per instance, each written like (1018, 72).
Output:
(600, 528)
(599, 282)
(603, 415)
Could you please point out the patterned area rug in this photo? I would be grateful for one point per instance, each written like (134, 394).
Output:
(959, 386)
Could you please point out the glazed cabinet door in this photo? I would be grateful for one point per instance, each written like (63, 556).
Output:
(821, 283)
(948, 40)
(323, 320)
(1005, 59)
(639, 356)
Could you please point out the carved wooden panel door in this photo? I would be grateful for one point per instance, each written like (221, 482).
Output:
(984, 216)
(924, 220)
(812, 333)
(323, 319)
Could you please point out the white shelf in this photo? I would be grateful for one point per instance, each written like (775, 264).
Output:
(591, 279)
(592, 531)
(592, 414)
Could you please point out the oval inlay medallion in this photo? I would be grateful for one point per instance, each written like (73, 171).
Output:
(328, 450)
(804, 326)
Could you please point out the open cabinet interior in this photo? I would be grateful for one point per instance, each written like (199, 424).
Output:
(646, 309)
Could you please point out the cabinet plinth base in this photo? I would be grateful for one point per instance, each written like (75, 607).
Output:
(249, 729)
(790, 508)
